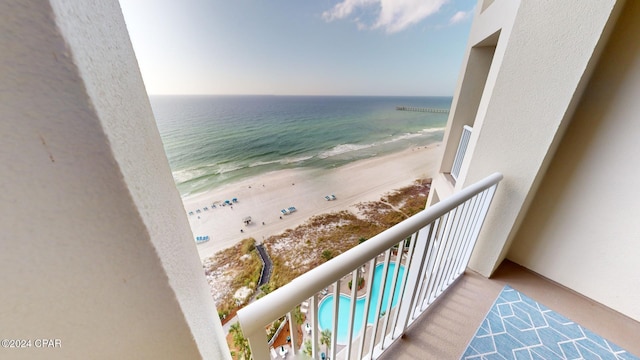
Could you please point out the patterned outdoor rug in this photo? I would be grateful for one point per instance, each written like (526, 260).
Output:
(517, 327)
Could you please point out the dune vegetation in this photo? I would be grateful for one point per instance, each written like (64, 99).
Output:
(296, 251)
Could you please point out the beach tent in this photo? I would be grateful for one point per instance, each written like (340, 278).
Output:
(235, 200)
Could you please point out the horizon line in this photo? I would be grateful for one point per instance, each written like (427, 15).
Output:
(300, 95)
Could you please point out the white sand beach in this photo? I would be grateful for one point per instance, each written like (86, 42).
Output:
(264, 196)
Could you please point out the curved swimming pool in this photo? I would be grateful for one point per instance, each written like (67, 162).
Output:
(325, 308)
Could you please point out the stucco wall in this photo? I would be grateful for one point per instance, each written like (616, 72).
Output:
(535, 81)
(582, 229)
(95, 248)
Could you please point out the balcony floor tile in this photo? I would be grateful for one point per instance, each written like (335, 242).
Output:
(447, 328)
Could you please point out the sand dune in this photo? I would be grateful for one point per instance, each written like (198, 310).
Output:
(262, 197)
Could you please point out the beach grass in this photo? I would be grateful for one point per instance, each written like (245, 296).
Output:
(297, 251)
(236, 267)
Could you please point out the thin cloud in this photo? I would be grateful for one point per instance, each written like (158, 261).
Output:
(345, 8)
(460, 16)
(393, 15)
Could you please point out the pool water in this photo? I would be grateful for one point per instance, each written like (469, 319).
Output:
(325, 309)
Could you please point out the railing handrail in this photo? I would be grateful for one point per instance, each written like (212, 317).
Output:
(256, 315)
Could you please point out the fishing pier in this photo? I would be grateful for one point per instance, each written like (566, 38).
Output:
(421, 109)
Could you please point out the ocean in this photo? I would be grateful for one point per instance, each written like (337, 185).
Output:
(216, 140)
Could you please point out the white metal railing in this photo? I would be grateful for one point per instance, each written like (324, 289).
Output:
(433, 247)
(462, 150)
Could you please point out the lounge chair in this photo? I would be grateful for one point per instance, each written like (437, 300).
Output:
(274, 355)
(201, 239)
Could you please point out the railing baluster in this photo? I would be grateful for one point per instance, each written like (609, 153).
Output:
(315, 327)
(482, 214)
(456, 245)
(430, 240)
(336, 310)
(445, 256)
(437, 260)
(352, 311)
(412, 246)
(465, 236)
(293, 331)
(463, 242)
(432, 261)
(367, 303)
(394, 281)
(417, 272)
(383, 284)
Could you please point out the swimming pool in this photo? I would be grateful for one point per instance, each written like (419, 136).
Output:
(325, 308)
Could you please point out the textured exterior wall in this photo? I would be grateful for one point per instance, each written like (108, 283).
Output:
(95, 248)
(582, 229)
(539, 69)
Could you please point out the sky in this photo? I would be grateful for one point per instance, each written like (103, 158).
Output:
(299, 47)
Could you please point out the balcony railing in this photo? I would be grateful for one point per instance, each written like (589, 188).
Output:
(422, 256)
(462, 150)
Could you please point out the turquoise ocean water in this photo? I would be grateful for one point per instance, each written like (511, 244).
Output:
(215, 140)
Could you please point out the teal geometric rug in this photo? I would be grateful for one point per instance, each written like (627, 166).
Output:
(517, 327)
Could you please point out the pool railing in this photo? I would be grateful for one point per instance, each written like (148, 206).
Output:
(434, 246)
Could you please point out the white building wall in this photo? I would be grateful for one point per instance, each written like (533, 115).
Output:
(481, 62)
(95, 248)
(539, 69)
(582, 229)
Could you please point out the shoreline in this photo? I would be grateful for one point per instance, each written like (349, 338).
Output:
(262, 197)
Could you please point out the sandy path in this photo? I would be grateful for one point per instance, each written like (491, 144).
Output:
(262, 197)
